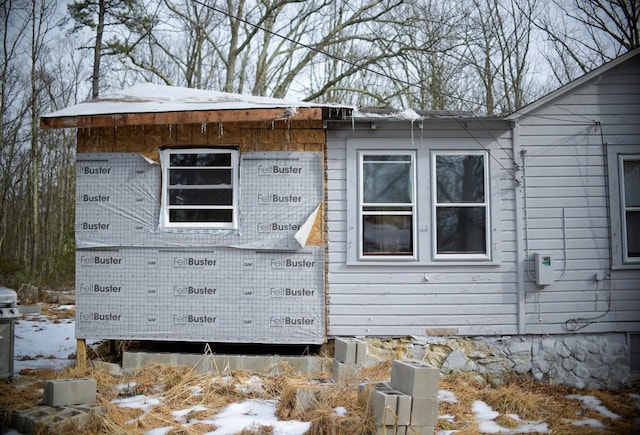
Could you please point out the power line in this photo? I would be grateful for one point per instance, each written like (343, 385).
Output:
(372, 71)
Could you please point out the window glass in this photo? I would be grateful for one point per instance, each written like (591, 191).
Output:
(199, 188)
(387, 204)
(461, 208)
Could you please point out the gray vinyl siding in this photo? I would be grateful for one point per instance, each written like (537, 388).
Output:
(396, 299)
(566, 175)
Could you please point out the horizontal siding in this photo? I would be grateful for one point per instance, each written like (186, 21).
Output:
(397, 300)
(568, 205)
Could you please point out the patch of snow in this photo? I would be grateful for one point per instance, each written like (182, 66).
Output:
(181, 415)
(483, 411)
(595, 404)
(340, 411)
(40, 343)
(139, 401)
(251, 413)
(485, 416)
(152, 98)
(447, 417)
(590, 422)
(447, 396)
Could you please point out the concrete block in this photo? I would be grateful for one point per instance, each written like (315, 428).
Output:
(345, 350)
(342, 371)
(112, 369)
(421, 430)
(424, 411)
(69, 391)
(404, 407)
(350, 350)
(223, 365)
(415, 378)
(257, 363)
(306, 398)
(383, 405)
(391, 430)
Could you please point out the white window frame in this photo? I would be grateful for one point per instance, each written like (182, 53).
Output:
(165, 159)
(616, 154)
(423, 229)
(486, 204)
(361, 206)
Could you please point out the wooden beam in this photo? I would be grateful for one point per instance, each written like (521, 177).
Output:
(193, 117)
(81, 354)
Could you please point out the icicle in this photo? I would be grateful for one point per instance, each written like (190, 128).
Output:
(422, 132)
(170, 125)
(203, 128)
(220, 129)
(412, 143)
(273, 124)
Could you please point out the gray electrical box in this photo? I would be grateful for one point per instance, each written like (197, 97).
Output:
(544, 269)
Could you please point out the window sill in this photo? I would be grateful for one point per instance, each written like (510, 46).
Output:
(415, 263)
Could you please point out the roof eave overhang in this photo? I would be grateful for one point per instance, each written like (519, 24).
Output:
(188, 117)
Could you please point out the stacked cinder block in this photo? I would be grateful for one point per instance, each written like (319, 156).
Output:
(349, 354)
(408, 404)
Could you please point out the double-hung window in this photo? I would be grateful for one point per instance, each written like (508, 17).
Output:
(460, 204)
(199, 188)
(630, 206)
(387, 204)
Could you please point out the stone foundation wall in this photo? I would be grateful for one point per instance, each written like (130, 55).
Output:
(582, 361)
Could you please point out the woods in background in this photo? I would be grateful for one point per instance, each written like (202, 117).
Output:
(488, 57)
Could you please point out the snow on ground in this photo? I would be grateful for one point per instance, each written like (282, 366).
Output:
(42, 343)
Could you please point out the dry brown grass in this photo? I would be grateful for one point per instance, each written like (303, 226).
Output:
(181, 388)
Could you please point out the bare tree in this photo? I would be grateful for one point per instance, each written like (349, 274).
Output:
(265, 46)
(584, 34)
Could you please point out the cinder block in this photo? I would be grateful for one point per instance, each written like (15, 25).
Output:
(415, 378)
(361, 352)
(350, 350)
(342, 371)
(306, 398)
(383, 406)
(421, 430)
(403, 408)
(424, 411)
(391, 430)
(69, 391)
(345, 350)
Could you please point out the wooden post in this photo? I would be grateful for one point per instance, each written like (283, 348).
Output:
(81, 354)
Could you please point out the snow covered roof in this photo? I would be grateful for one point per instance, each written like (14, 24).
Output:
(148, 98)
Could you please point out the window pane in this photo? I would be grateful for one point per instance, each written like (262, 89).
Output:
(183, 215)
(387, 182)
(387, 235)
(205, 159)
(633, 234)
(199, 177)
(461, 230)
(200, 197)
(632, 183)
(460, 178)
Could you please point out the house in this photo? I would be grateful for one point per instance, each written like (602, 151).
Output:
(204, 216)
(199, 216)
(526, 226)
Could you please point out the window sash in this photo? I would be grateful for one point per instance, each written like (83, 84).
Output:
(461, 218)
(629, 171)
(200, 188)
(387, 206)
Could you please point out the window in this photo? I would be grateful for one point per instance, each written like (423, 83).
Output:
(421, 203)
(624, 205)
(630, 207)
(387, 203)
(460, 207)
(200, 188)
